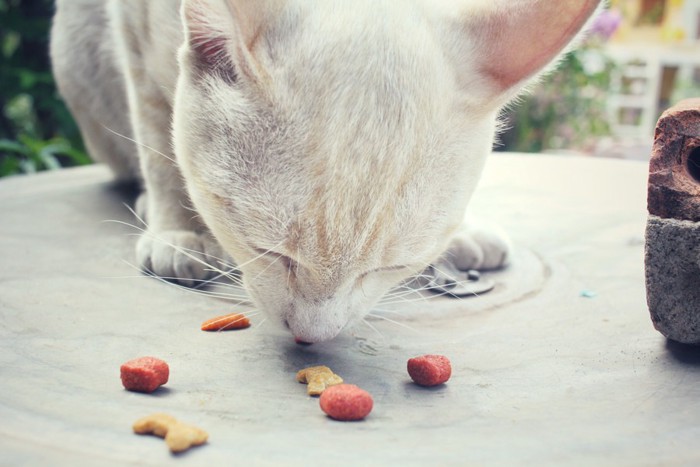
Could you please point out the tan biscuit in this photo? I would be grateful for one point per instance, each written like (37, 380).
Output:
(318, 378)
(178, 436)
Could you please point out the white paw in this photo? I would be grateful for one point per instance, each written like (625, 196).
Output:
(180, 256)
(472, 248)
(479, 247)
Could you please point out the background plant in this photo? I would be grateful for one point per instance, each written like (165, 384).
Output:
(36, 130)
(568, 109)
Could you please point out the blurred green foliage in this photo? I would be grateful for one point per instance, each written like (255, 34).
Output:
(567, 110)
(36, 130)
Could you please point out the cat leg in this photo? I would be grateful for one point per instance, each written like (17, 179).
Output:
(175, 245)
(92, 86)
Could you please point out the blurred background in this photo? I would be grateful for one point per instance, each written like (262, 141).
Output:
(642, 57)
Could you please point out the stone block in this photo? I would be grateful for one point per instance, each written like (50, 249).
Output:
(673, 278)
(672, 250)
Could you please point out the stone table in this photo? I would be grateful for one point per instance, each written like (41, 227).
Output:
(559, 364)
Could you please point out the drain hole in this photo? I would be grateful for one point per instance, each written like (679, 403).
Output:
(693, 164)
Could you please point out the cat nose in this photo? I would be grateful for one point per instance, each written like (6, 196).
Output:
(297, 340)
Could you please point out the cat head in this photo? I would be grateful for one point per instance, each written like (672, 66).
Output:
(332, 146)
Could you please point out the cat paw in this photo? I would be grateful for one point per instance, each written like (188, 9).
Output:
(180, 256)
(472, 248)
(480, 247)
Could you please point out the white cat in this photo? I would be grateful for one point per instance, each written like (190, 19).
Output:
(329, 146)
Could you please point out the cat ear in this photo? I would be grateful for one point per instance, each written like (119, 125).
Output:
(500, 45)
(221, 34)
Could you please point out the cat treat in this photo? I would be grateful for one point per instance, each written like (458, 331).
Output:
(429, 370)
(346, 402)
(318, 378)
(178, 436)
(226, 323)
(145, 374)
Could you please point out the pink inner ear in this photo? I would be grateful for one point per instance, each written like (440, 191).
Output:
(521, 44)
(209, 48)
(208, 42)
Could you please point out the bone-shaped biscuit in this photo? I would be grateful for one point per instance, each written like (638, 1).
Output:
(317, 379)
(178, 436)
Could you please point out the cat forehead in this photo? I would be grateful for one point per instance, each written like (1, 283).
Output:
(338, 22)
(329, 46)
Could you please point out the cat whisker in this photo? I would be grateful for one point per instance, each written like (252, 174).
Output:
(127, 224)
(401, 296)
(236, 299)
(397, 323)
(266, 267)
(260, 255)
(140, 144)
(215, 280)
(192, 254)
(373, 328)
(166, 278)
(248, 314)
(263, 321)
(391, 312)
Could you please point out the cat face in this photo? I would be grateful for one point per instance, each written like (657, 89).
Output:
(331, 149)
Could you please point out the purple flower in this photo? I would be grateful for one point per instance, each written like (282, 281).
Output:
(606, 23)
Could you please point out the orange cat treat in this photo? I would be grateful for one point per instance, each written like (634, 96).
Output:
(226, 323)
(429, 370)
(145, 374)
(346, 402)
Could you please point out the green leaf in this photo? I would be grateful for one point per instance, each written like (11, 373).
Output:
(12, 147)
(9, 166)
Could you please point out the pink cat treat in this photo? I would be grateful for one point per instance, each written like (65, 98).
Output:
(429, 370)
(346, 402)
(145, 374)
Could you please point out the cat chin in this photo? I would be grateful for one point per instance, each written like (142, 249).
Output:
(314, 335)
(307, 322)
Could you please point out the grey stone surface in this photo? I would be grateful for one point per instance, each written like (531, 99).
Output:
(673, 277)
(558, 365)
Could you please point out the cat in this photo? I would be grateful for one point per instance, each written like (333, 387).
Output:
(329, 147)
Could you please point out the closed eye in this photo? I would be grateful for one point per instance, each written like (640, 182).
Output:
(384, 269)
(391, 268)
(287, 262)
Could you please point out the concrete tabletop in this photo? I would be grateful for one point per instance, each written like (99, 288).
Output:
(558, 365)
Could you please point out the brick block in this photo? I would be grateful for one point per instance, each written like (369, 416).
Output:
(672, 250)
(674, 169)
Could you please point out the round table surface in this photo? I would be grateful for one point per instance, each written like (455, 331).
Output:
(559, 364)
